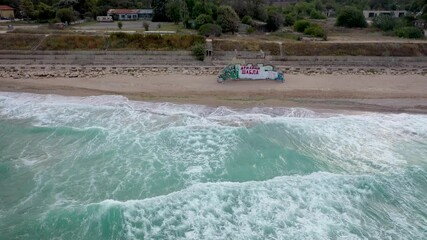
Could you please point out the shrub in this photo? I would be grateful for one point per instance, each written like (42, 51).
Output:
(247, 20)
(274, 21)
(351, 18)
(199, 51)
(146, 25)
(384, 22)
(250, 30)
(317, 15)
(315, 31)
(119, 25)
(301, 25)
(289, 20)
(210, 29)
(203, 19)
(409, 32)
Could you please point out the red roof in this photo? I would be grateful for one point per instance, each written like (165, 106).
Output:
(5, 7)
(123, 11)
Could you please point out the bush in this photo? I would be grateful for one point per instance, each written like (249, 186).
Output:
(351, 18)
(315, 31)
(247, 20)
(409, 32)
(228, 19)
(203, 19)
(289, 20)
(210, 29)
(274, 21)
(199, 51)
(317, 15)
(146, 25)
(384, 22)
(250, 30)
(301, 25)
(119, 25)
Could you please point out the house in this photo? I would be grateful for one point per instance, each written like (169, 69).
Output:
(123, 14)
(145, 14)
(6, 12)
(373, 13)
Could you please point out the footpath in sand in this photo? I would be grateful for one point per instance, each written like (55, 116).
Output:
(394, 93)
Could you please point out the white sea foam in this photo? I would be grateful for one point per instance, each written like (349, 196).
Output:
(318, 206)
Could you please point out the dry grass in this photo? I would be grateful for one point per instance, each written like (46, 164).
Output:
(326, 48)
(73, 42)
(19, 41)
(153, 42)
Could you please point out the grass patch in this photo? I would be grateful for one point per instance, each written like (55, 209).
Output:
(153, 41)
(19, 41)
(73, 42)
(325, 48)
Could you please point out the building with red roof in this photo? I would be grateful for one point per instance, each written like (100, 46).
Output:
(6, 12)
(123, 14)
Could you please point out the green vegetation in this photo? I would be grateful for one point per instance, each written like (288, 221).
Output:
(301, 25)
(228, 19)
(385, 22)
(198, 51)
(203, 19)
(352, 18)
(210, 29)
(315, 31)
(119, 25)
(247, 20)
(309, 28)
(409, 32)
(274, 21)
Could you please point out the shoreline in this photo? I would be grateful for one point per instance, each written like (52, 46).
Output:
(353, 92)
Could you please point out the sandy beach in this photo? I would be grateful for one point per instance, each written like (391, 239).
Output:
(391, 93)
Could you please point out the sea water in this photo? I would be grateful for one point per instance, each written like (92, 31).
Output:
(109, 168)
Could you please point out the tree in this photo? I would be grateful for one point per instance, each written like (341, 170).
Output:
(45, 12)
(203, 19)
(176, 10)
(65, 15)
(119, 24)
(351, 17)
(27, 8)
(159, 10)
(228, 19)
(274, 21)
(210, 29)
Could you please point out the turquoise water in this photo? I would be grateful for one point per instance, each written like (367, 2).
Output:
(109, 168)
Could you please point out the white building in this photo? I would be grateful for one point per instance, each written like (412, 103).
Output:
(374, 13)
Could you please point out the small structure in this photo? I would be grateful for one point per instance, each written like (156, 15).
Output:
(104, 18)
(145, 14)
(250, 72)
(6, 12)
(123, 14)
(421, 24)
(373, 13)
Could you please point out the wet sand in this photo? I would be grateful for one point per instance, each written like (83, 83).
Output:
(390, 93)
